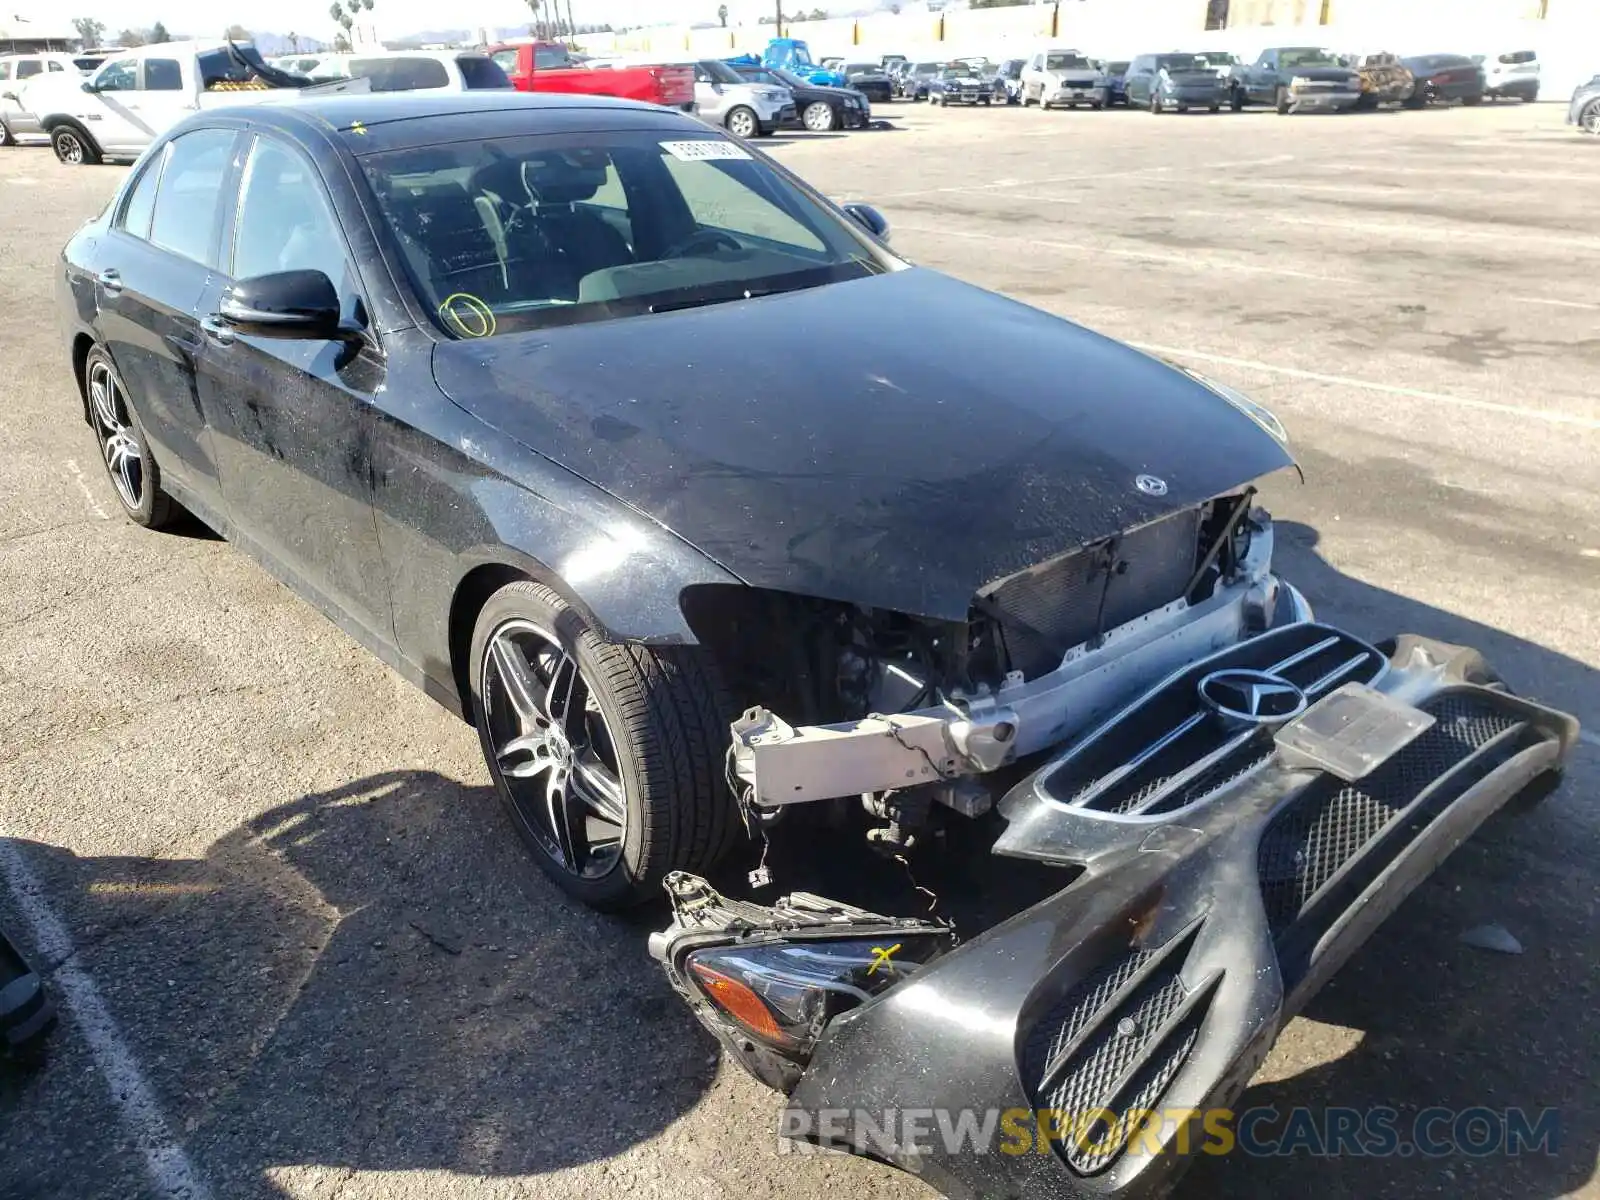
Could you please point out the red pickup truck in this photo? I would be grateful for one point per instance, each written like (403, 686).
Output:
(548, 67)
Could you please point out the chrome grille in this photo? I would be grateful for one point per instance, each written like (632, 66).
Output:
(1169, 751)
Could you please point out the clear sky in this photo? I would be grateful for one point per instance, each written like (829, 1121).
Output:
(395, 18)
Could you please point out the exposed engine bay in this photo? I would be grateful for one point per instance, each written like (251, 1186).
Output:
(908, 713)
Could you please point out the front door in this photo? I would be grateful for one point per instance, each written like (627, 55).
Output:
(163, 98)
(292, 417)
(108, 111)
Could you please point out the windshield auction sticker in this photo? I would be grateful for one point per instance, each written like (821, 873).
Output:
(703, 149)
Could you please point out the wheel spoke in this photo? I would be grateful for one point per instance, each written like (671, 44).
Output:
(526, 756)
(559, 693)
(103, 399)
(567, 821)
(599, 790)
(516, 676)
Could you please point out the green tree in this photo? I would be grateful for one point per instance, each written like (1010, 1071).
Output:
(158, 34)
(130, 38)
(89, 30)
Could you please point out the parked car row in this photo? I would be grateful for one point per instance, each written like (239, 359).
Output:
(1286, 78)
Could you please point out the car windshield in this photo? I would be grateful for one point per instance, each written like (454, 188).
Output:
(956, 72)
(1066, 62)
(523, 233)
(863, 69)
(1308, 58)
(721, 71)
(1180, 62)
(927, 69)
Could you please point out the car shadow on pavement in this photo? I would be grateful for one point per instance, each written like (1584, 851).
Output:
(1418, 1020)
(342, 983)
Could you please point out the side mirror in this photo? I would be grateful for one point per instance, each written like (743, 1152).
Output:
(285, 304)
(10, 96)
(870, 219)
(88, 86)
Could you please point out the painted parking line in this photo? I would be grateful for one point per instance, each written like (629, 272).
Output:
(1549, 416)
(171, 1173)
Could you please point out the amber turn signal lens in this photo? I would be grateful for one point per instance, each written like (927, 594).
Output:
(739, 1002)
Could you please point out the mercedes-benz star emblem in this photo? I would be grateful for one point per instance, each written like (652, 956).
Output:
(1151, 485)
(1252, 697)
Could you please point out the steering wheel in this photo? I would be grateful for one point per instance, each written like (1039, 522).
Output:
(703, 241)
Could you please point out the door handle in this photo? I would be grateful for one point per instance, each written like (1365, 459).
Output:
(110, 280)
(218, 330)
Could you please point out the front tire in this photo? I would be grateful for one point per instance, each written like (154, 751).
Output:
(124, 451)
(1283, 103)
(1589, 119)
(742, 122)
(608, 757)
(819, 117)
(73, 147)
(1236, 99)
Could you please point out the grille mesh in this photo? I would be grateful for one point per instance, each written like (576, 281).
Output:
(1121, 1045)
(1330, 823)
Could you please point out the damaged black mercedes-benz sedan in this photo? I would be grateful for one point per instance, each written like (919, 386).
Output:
(509, 386)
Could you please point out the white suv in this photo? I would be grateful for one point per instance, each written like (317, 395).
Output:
(16, 70)
(1513, 74)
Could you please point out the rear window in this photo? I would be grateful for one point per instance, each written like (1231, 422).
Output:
(30, 68)
(401, 74)
(547, 57)
(507, 60)
(185, 212)
(1066, 62)
(480, 72)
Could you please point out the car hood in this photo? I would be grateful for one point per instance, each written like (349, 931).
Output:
(1322, 74)
(896, 441)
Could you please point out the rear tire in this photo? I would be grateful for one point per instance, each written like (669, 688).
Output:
(124, 450)
(656, 718)
(7, 138)
(1236, 99)
(73, 146)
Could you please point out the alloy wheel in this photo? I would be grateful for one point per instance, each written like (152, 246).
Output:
(69, 149)
(819, 117)
(742, 123)
(1591, 119)
(553, 750)
(118, 442)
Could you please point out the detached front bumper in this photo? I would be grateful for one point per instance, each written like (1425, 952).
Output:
(1235, 844)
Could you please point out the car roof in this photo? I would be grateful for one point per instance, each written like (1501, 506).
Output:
(377, 122)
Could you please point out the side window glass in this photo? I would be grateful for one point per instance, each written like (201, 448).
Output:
(119, 76)
(285, 222)
(141, 202)
(26, 70)
(186, 201)
(507, 60)
(55, 66)
(5, 71)
(162, 75)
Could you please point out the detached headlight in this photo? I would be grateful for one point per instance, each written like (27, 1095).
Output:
(1259, 413)
(785, 993)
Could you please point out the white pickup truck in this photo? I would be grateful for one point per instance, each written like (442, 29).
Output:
(136, 96)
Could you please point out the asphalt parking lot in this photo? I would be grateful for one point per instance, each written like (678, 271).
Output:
(304, 952)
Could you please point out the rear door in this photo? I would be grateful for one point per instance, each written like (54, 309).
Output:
(1136, 83)
(292, 417)
(165, 95)
(154, 267)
